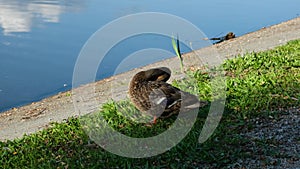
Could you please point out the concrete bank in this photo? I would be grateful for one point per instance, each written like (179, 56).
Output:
(36, 116)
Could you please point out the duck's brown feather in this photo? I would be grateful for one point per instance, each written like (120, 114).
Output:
(150, 93)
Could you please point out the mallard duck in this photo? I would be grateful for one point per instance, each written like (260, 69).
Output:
(151, 94)
(228, 36)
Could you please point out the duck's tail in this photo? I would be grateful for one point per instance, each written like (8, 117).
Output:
(190, 102)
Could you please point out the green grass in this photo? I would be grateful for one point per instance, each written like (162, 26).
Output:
(258, 84)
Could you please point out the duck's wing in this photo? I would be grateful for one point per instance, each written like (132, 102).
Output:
(163, 92)
(171, 98)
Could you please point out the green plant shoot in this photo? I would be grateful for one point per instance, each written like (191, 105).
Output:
(176, 48)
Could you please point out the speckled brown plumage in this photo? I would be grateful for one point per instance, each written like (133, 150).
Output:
(150, 93)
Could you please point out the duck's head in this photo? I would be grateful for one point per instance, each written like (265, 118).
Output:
(230, 35)
(156, 74)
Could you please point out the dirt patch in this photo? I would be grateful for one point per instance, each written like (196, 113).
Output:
(283, 137)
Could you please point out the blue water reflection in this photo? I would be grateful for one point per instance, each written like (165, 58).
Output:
(40, 39)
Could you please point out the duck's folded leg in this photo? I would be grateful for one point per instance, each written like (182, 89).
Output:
(154, 120)
(151, 123)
